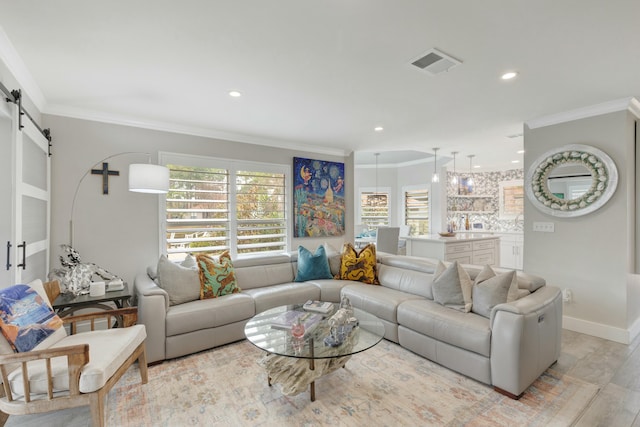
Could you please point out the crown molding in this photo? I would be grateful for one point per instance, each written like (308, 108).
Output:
(9, 56)
(394, 165)
(631, 104)
(634, 107)
(82, 114)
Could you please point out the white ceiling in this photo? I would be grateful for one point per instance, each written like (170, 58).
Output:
(325, 73)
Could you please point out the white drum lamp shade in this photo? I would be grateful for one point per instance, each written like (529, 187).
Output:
(148, 178)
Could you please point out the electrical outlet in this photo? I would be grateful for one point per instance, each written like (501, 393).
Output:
(566, 296)
(545, 227)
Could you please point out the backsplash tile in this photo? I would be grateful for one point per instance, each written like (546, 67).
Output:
(485, 184)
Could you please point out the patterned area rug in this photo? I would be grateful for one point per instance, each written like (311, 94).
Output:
(384, 386)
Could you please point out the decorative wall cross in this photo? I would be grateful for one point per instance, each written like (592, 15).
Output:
(105, 172)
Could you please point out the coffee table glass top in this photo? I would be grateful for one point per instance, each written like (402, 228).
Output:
(258, 330)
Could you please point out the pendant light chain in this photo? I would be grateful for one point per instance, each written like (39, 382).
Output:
(436, 177)
(454, 180)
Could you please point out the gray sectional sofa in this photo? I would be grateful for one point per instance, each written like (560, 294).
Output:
(508, 350)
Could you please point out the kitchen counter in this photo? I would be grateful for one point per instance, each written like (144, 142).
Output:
(458, 237)
(466, 248)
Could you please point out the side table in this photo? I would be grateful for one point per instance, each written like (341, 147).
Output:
(67, 304)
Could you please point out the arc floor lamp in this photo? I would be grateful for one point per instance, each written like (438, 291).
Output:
(143, 178)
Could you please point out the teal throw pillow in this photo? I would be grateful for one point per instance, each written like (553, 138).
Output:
(312, 266)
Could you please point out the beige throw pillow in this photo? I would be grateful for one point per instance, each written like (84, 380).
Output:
(491, 289)
(452, 286)
(181, 283)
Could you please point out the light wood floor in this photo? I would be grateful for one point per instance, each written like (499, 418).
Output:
(614, 367)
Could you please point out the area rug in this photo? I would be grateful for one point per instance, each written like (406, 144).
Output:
(384, 386)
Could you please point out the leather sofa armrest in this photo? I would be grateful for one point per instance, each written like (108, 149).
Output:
(527, 304)
(525, 339)
(153, 303)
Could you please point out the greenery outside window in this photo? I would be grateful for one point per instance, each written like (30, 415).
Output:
(240, 207)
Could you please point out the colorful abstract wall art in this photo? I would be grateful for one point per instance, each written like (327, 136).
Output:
(318, 198)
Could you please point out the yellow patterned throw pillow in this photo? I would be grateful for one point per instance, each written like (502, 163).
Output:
(360, 266)
(217, 276)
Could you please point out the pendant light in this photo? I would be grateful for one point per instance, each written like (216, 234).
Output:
(435, 178)
(454, 180)
(470, 180)
(377, 155)
(377, 199)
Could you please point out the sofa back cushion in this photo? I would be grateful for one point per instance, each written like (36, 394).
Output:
(528, 282)
(264, 271)
(402, 279)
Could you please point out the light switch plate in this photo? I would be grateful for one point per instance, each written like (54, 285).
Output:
(545, 227)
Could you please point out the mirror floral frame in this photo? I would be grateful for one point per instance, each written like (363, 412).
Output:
(604, 180)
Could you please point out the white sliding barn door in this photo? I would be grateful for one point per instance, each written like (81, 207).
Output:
(28, 247)
(6, 193)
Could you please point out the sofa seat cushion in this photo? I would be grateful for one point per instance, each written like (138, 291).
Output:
(330, 289)
(377, 300)
(108, 350)
(283, 294)
(208, 313)
(469, 331)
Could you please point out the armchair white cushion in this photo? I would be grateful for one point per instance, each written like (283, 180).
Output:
(108, 350)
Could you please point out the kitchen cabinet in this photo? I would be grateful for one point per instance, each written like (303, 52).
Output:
(465, 248)
(511, 251)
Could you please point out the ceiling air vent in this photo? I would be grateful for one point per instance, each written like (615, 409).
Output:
(435, 62)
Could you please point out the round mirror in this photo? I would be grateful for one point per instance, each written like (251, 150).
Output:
(571, 181)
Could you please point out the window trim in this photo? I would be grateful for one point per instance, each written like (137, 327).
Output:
(233, 165)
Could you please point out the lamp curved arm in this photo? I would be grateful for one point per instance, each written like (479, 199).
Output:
(75, 194)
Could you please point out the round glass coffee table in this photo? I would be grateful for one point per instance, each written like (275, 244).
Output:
(297, 363)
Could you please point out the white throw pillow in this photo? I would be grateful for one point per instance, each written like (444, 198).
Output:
(491, 289)
(452, 286)
(181, 283)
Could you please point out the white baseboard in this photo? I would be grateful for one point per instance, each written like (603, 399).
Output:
(623, 336)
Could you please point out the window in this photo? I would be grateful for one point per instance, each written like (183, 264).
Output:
(416, 211)
(374, 208)
(240, 207)
(511, 199)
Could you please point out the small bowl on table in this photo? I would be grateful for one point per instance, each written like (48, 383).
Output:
(447, 234)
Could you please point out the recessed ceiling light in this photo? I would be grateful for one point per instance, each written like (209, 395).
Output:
(520, 151)
(378, 129)
(476, 166)
(509, 75)
(235, 94)
(515, 161)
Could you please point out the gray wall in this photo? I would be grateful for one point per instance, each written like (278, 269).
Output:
(120, 231)
(591, 255)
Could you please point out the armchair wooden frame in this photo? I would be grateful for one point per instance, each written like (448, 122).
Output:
(77, 356)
